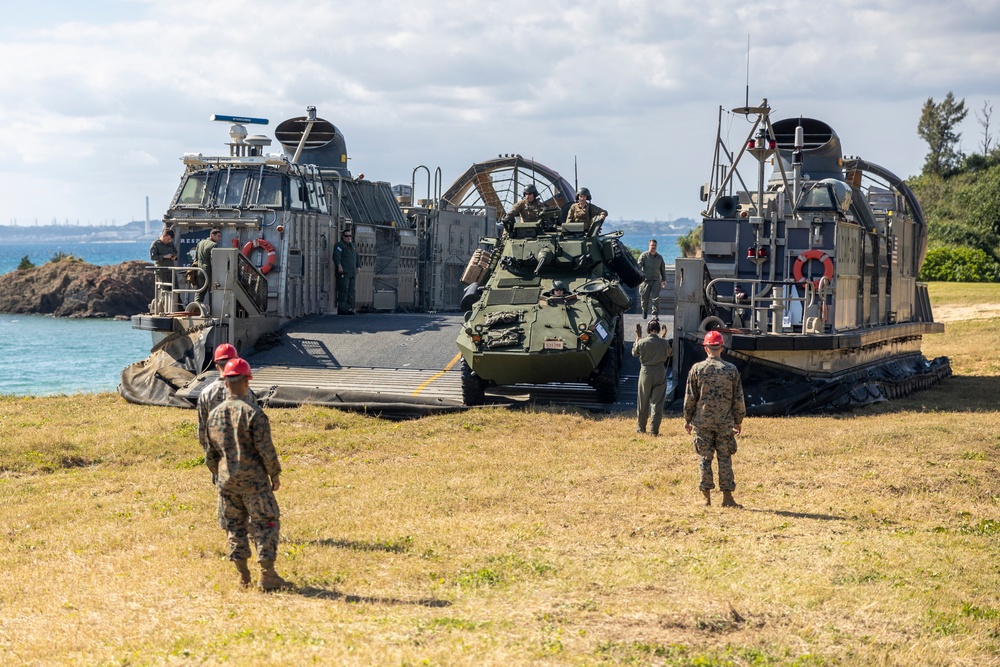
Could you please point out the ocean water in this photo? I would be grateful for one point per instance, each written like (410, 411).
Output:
(38, 346)
(51, 355)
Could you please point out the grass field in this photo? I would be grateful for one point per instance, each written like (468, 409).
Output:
(507, 537)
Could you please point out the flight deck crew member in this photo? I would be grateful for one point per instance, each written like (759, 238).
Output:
(529, 209)
(163, 252)
(654, 353)
(345, 257)
(654, 276)
(246, 471)
(203, 256)
(714, 409)
(583, 211)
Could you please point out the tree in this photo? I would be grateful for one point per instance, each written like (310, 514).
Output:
(25, 264)
(937, 126)
(984, 122)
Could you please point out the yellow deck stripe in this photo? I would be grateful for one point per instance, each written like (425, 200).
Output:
(424, 384)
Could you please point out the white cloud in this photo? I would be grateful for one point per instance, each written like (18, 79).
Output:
(630, 88)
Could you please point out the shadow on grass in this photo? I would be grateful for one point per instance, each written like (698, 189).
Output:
(958, 393)
(798, 515)
(324, 594)
(390, 546)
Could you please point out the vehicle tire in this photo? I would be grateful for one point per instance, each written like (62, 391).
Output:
(473, 386)
(605, 379)
(624, 264)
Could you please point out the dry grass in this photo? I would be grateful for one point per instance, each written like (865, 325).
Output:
(505, 537)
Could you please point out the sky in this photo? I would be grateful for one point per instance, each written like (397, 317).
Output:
(99, 100)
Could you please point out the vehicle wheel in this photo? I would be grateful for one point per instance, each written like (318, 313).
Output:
(606, 377)
(473, 386)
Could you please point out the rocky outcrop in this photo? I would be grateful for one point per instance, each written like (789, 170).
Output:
(73, 288)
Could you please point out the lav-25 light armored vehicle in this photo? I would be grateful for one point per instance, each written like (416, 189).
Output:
(545, 304)
(811, 276)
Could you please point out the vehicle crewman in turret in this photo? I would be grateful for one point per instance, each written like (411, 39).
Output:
(203, 256)
(247, 473)
(654, 276)
(529, 209)
(584, 211)
(345, 257)
(654, 353)
(714, 410)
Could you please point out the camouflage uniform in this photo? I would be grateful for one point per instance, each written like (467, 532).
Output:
(713, 405)
(243, 462)
(654, 272)
(530, 211)
(653, 353)
(584, 213)
(211, 397)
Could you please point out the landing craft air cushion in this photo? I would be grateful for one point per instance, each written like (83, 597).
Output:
(811, 277)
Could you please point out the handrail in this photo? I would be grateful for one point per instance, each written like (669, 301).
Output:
(765, 301)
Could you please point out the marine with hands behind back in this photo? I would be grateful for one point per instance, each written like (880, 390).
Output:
(714, 410)
(247, 472)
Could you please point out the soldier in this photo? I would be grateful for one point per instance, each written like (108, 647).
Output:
(215, 393)
(654, 276)
(246, 472)
(203, 258)
(345, 256)
(653, 353)
(162, 252)
(583, 211)
(530, 209)
(714, 408)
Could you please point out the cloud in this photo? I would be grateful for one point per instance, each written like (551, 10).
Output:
(628, 89)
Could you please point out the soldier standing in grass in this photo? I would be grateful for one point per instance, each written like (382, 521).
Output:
(215, 393)
(246, 471)
(714, 409)
(653, 353)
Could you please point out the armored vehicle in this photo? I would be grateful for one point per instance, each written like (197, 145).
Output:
(545, 303)
(811, 277)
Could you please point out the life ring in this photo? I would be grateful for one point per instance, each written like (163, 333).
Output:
(819, 256)
(269, 257)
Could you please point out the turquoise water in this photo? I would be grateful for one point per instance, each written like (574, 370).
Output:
(49, 355)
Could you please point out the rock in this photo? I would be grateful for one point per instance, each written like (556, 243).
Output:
(72, 288)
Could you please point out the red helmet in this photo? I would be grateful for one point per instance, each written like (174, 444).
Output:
(713, 339)
(225, 352)
(237, 367)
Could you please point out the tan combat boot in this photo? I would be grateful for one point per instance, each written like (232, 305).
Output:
(269, 579)
(708, 497)
(729, 501)
(244, 571)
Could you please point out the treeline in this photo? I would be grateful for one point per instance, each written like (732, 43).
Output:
(960, 195)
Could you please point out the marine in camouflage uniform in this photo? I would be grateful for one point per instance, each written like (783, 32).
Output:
(584, 211)
(653, 353)
(529, 209)
(246, 471)
(714, 409)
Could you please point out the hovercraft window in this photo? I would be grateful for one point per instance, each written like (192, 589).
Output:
(193, 191)
(818, 198)
(298, 198)
(270, 190)
(229, 191)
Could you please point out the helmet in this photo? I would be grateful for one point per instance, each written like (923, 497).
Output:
(558, 284)
(225, 352)
(585, 192)
(713, 339)
(237, 367)
(531, 190)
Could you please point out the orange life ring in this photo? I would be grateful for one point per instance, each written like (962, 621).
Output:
(819, 256)
(269, 257)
